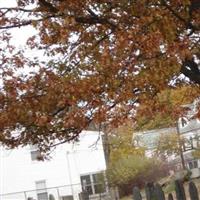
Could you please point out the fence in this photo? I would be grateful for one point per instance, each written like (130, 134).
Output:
(66, 192)
(155, 192)
(61, 192)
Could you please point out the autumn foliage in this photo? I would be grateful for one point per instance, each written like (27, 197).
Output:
(104, 60)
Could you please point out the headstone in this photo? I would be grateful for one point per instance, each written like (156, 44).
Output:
(150, 191)
(159, 192)
(193, 191)
(180, 192)
(136, 194)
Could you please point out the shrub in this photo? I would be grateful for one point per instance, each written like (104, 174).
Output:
(134, 171)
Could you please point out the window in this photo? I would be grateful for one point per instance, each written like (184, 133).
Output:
(184, 121)
(98, 181)
(86, 183)
(188, 144)
(67, 197)
(193, 164)
(42, 196)
(35, 153)
(93, 183)
(41, 190)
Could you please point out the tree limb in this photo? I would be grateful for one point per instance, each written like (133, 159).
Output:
(190, 69)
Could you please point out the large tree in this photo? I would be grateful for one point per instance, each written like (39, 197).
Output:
(103, 60)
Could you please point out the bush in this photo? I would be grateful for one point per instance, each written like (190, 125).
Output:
(134, 171)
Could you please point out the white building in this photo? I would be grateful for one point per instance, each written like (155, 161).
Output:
(72, 168)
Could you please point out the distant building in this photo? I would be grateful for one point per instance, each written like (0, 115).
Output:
(73, 168)
(149, 139)
(188, 128)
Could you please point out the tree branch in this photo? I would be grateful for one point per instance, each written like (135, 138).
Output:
(19, 9)
(187, 23)
(82, 20)
(190, 69)
(29, 22)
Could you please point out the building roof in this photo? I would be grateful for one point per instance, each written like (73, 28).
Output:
(149, 139)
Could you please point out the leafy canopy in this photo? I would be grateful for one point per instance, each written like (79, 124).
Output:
(134, 171)
(169, 145)
(121, 146)
(105, 60)
(165, 109)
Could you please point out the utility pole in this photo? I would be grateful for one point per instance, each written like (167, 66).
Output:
(69, 173)
(180, 146)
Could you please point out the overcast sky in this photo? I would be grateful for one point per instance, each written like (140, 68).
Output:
(20, 35)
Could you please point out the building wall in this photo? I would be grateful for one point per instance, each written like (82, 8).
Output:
(68, 162)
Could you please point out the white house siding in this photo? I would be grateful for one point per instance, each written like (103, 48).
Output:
(19, 173)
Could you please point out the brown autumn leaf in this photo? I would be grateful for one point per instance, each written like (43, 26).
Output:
(105, 61)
